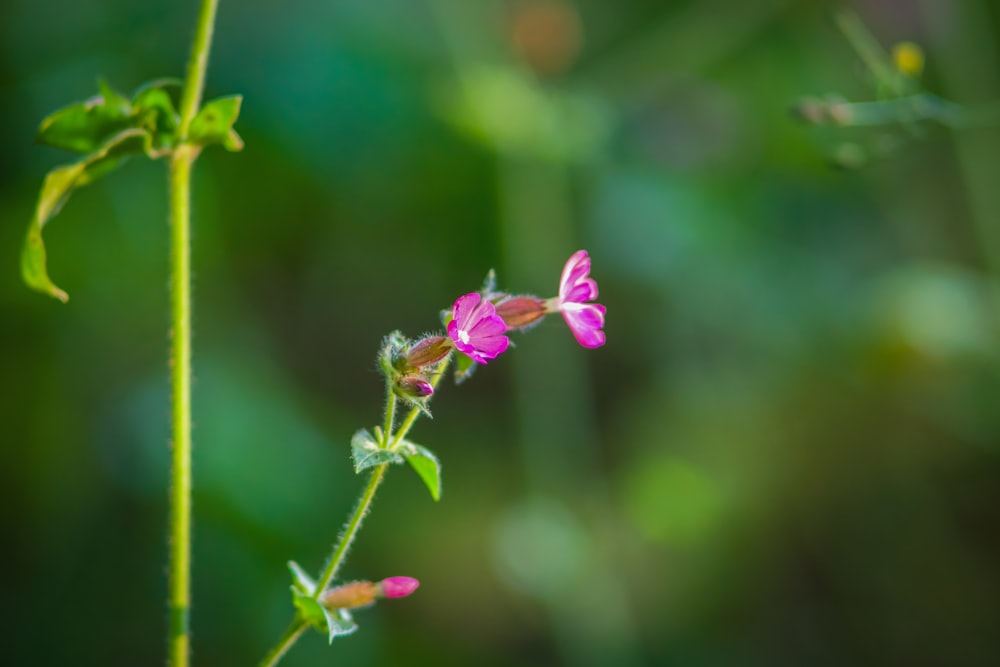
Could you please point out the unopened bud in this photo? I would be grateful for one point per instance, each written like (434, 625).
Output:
(428, 351)
(414, 386)
(396, 587)
(521, 311)
(351, 596)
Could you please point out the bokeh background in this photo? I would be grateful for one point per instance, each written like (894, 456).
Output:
(788, 452)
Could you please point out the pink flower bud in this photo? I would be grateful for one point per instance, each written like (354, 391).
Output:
(428, 351)
(397, 587)
(350, 596)
(414, 386)
(520, 311)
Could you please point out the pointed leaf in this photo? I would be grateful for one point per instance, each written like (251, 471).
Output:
(153, 110)
(214, 124)
(56, 189)
(303, 582)
(426, 464)
(338, 622)
(367, 453)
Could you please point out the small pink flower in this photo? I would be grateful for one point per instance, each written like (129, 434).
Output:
(397, 587)
(576, 288)
(476, 329)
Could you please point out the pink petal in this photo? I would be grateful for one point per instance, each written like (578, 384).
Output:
(586, 322)
(577, 268)
(398, 587)
(464, 307)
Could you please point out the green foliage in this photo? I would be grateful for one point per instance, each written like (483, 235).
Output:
(214, 124)
(107, 129)
(334, 623)
(464, 368)
(426, 464)
(367, 453)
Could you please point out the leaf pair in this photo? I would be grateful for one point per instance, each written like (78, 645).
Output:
(108, 129)
(367, 454)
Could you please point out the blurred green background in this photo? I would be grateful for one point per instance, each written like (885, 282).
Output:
(788, 452)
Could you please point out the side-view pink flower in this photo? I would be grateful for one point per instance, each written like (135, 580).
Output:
(476, 329)
(576, 289)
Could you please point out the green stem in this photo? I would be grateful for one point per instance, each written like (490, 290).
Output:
(347, 537)
(290, 637)
(360, 511)
(390, 414)
(179, 578)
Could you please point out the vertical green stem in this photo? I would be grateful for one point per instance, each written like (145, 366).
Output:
(179, 593)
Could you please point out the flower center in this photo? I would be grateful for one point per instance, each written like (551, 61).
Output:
(463, 336)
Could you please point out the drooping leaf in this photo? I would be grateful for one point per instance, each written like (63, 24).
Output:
(367, 454)
(425, 464)
(214, 124)
(56, 189)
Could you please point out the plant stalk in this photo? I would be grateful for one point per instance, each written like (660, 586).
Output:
(179, 577)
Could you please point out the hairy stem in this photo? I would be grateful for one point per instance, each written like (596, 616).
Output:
(360, 511)
(179, 578)
(290, 637)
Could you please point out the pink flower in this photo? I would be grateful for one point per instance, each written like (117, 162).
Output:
(397, 587)
(576, 288)
(476, 329)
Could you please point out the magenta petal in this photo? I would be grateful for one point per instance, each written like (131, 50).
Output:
(586, 322)
(464, 307)
(577, 268)
(583, 291)
(476, 329)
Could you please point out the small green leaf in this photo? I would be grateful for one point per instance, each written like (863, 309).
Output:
(214, 124)
(464, 368)
(334, 623)
(303, 582)
(367, 453)
(56, 189)
(426, 464)
(489, 287)
(339, 622)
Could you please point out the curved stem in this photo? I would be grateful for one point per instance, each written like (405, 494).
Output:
(179, 578)
(290, 637)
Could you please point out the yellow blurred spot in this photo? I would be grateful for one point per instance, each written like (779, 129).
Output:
(908, 58)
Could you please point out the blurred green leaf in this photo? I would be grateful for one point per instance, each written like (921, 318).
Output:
(214, 124)
(367, 453)
(464, 368)
(154, 111)
(83, 127)
(303, 582)
(426, 464)
(56, 189)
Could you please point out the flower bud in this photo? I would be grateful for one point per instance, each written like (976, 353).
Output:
(396, 587)
(428, 351)
(414, 386)
(350, 596)
(521, 311)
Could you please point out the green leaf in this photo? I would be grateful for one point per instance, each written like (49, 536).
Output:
(334, 623)
(153, 110)
(426, 464)
(464, 368)
(56, 189)
(83, 127)
(367, 453)
(214, 124)
(303, 582)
